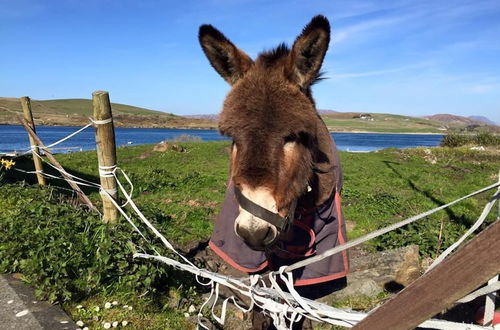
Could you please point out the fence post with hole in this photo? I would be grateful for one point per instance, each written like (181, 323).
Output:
(28, 116)
(106, 152)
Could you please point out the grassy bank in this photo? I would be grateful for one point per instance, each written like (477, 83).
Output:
(71, 257)
(74, 112)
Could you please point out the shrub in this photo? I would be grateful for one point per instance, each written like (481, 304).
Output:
(67, 253)
(453, 140)
(481, 139)
(487, 139)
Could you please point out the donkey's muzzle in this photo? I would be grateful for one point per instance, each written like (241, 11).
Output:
(282, 224)
(257, 238)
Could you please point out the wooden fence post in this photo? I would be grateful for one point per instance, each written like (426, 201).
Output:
(106, 152)
(28, 116)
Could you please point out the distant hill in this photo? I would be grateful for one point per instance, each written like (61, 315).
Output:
(205, 116)
(447, 118)
(75, 112)
(326, 111)
(483, 119)
(460, 123)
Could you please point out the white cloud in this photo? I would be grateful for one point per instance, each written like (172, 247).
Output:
(343, 34)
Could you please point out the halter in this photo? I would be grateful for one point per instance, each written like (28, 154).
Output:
(281, 223)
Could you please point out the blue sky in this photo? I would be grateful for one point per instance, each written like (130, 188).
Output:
(412, 57)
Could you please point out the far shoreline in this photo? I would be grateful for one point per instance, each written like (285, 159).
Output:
(215, 129)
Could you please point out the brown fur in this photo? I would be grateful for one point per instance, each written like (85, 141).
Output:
(270, 103)
(278, 137)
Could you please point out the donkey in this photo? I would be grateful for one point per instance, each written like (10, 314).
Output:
(283, 198)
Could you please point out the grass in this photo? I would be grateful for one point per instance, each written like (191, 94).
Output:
(382, 123)
(181, 193)
(75, 107)
(73, 112)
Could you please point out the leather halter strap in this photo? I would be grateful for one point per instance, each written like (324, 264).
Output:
(281, 223)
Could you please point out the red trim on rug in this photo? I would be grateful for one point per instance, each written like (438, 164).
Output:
(342, 240)
(299, 249)
(233, 263)
(321, 279)
(338, 207)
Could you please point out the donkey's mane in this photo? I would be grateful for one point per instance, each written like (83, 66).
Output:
(272, 56)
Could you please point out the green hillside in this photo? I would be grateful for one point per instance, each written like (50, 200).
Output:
(346, 121)
(74, 107)
(74, 112)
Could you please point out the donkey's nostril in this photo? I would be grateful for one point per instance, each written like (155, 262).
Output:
(270, 237)
(256, 239)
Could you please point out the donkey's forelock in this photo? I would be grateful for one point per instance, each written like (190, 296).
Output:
(264, 103)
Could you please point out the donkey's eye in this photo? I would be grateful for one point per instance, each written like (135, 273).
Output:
(290, 138)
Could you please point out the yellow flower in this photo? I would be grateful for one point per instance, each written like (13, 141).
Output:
(7, 163)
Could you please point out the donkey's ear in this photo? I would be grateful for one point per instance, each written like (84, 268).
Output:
(230, 62)
(308, 52)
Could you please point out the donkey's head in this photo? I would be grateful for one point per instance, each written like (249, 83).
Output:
(271, 117)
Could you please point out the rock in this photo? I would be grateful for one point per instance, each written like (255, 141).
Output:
(161, 147)
(192, 309)
(165, 146)
(429, 157)
(409, 270)
(400, 265)
(356, 288)
(236, 319)
(239, 315)
(178, 148)
(371, 274)
(426, 263)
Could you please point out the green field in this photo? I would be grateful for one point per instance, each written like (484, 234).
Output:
(71, 257)
(383, 123)
(75, 107)
(74, 112)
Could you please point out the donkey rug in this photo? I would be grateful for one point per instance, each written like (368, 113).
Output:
(283, 198)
